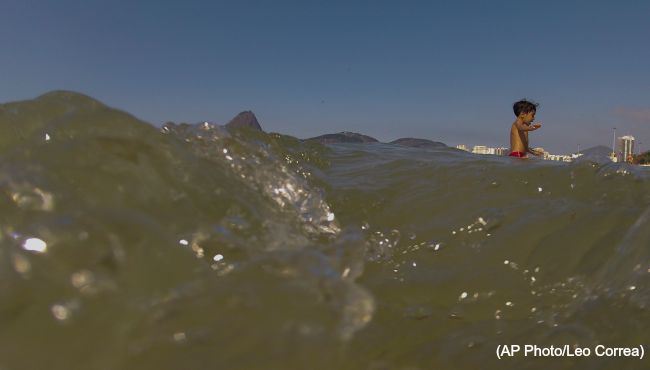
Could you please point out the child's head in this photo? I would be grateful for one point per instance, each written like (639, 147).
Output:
(525, 110)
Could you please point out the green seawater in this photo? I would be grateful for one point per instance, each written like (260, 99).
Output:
(128, 246)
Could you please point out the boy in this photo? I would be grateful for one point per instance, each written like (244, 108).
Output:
(525, 112)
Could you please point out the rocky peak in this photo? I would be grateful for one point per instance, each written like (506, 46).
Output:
(245, 119)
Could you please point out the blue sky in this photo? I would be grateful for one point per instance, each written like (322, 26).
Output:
(442, 70)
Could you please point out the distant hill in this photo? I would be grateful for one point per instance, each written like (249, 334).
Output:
(598, 154)
(599, 150)
(343, 137)
(245, 119)
(418, 143)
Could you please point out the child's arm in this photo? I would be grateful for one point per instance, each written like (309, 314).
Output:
(522, 127)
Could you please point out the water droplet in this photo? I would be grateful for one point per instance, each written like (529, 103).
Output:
(183, 242)
(35, 245)
(198, 251)
(81, 279)
(21, 264)
(32, 198)
(60, 312)
(180, 337)
(463, 295)
(217, 257)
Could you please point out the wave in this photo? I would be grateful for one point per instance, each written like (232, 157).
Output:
(198, 246)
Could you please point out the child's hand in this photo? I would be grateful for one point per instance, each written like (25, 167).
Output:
(536, 126)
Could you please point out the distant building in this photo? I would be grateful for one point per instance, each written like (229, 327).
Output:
(481, 149)
(576, 155)
(462, 147)
(558, 157)
(625, 148)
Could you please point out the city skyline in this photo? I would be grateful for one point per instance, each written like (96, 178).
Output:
(446, 72)
(636, 149)
(623, 149)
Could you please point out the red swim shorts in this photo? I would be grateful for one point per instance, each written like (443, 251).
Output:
(517, 154)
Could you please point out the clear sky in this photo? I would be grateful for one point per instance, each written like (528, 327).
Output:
(443, 70)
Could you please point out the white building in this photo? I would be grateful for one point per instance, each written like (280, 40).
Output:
(558, 157)
(462, 147)
(482, 149)
(625, 148)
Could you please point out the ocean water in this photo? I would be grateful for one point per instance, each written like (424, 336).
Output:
(128, 246)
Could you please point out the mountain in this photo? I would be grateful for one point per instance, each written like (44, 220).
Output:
(418, 143)
(245, 119)
(599, 150)
(343, 137)
(598, 154)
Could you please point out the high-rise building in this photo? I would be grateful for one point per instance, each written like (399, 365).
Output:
(625, 148)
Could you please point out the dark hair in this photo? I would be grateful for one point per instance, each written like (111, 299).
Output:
(524, 106)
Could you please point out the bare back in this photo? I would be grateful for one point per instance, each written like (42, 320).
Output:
(518, 140)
